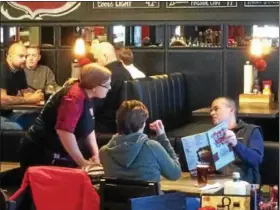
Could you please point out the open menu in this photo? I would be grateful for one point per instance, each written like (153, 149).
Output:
(208, 147)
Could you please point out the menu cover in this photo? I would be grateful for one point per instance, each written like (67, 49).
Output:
(214, 202)
(208, 147)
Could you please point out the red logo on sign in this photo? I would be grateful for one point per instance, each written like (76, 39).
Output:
(36, 10)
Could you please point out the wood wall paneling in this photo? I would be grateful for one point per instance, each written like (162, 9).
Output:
(48, 58)
(1, 58)
(204, 74)
(235, 60)
(64, 59)
(272, 71)
(150, 63)
(86, 13)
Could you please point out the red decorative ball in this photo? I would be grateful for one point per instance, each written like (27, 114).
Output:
(260, 64)
(84, 61)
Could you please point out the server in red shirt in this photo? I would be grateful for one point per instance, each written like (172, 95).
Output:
(63, 134)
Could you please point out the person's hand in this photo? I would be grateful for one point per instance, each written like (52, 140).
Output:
(158, 127)
(95, 159)
(70, 81)
(36, 97)
(230, 138)
(86, 163)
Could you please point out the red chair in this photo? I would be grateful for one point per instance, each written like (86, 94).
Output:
(56, 188)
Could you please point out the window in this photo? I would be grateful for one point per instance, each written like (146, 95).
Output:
(182, 36)
(1, 36)
(88, 33)
(241, 36)
(26, 35)
(47, 36)
(138, 36)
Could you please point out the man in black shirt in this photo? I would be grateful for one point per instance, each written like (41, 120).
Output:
(13, 86)
(105, 117)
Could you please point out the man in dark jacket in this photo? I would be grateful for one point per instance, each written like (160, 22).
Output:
(106, 109)
(246, 140)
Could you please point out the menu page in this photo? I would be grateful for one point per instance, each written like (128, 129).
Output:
(208, 148)
(192, 145)
(222, 154)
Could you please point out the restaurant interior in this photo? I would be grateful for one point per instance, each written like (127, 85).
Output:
(191, 53)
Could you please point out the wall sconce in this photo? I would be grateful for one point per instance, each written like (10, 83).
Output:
(79, 47)
(256, 48)
(79, 52)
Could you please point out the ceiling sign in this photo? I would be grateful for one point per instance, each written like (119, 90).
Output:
(261, 3)
(125, 4)
(37, 10)
(200, 4)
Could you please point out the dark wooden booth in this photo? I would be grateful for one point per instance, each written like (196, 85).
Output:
(211, 71)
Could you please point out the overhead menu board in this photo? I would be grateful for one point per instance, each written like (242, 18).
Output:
(125, 4)
(200, 4)
(261, 3)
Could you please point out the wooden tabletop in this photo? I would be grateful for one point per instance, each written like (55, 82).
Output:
(22, 107)
(248, 110)
(5, 166)
(188, 184)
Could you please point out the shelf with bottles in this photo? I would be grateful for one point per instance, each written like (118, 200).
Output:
(195, 36)
(42, 36)
(241, 36)
(139, 36)
(87, 33)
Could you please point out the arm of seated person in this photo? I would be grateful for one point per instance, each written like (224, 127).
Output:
(18, 100)
(26, 92)
(165, 154)
(253, 153)
(167, 159)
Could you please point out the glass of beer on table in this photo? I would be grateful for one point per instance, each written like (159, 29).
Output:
(202, 173)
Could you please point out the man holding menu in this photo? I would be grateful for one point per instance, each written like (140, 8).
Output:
(245, 139)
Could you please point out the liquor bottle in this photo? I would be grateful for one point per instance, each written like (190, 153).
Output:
(274, 197)
(254, 200)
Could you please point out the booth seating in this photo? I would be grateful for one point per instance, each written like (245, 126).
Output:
(116, 193)
(270, 167)
(166, 97)
(9, 145)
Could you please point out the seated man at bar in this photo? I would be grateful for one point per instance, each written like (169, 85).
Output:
(14, 89)
(125, 55)
(106, 109)
(38, 76)
(131, 154)
(246, 140)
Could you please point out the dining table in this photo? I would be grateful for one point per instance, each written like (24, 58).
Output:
(247, 110)
(188, 184)
(22, 107)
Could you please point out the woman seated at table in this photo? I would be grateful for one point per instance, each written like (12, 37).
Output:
(245, 139)
(63, 134)
(130, 154)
